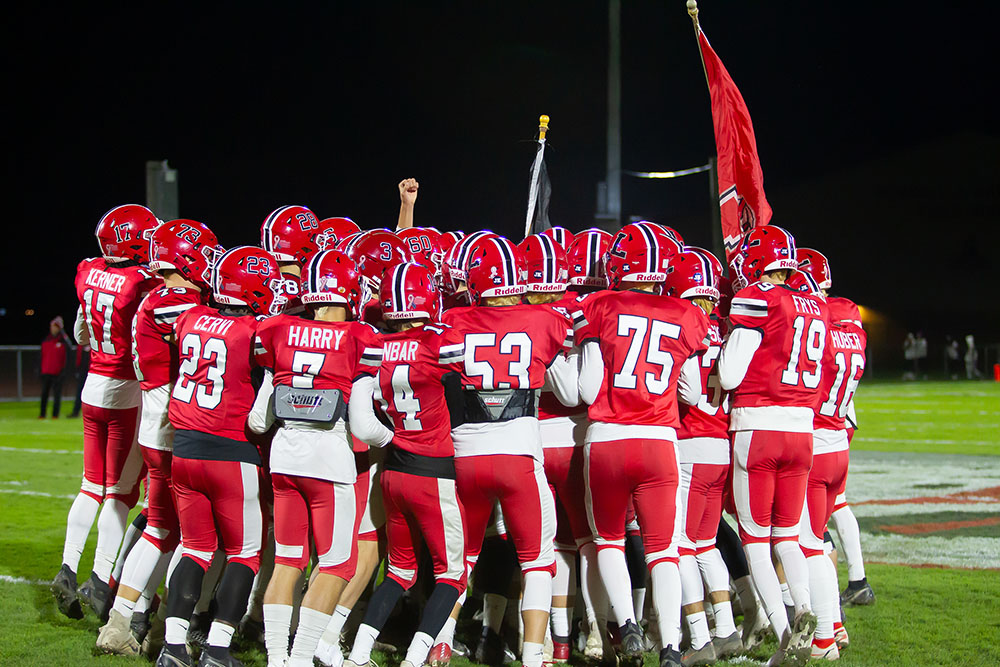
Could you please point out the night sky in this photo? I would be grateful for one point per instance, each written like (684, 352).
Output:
(875, 125)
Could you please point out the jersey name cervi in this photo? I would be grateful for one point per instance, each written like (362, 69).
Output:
(215, 325)
(106, 281)
(317, 338)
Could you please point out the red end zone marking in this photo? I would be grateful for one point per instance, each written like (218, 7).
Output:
(921, 528)
(990, 495)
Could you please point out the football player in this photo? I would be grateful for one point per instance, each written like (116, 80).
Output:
(109, 289)
(638, 352)
(703, 450)
(418, 479)
(771, 362)
(314, 364)
(216, 471)
(511, 350)
(180, 251)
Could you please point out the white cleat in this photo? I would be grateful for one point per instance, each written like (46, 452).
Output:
(116, 636)
(831, 652)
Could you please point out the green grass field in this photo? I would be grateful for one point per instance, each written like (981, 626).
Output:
(924, 615)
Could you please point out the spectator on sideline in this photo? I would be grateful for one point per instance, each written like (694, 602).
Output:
(82, 368)
(971, 359)
(55, 347)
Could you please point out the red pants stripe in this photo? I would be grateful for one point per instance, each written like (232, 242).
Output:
(324, 509)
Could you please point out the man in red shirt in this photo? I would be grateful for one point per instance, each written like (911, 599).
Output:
(638, 354)
(771, 362)
(418, 479)
(54, 349)
(109, 289)
(179, 252)
(511, 351)
(216, 471)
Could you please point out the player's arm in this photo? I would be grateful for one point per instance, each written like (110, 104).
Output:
(407, 200)
(361, 413)
(737, 353)
(591, 371)
(80, 330)
(261, 416)
(563, 378)
(689, 381)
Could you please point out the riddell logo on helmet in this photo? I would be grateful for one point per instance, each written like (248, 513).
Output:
(646, 277)
(509, 291)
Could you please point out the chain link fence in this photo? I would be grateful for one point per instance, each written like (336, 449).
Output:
(20, 378)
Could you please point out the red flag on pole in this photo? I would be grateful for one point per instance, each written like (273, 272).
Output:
(741, 182)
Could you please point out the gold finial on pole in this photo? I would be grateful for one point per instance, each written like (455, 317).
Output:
(543, 126)
(692, 6)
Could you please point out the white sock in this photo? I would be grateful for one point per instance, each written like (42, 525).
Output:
(78, 524)
(220, 635)
(531, 654)
(786, 594)
(850, 542)
(595, 598)
(332, 633)
(638, 603)
(666, 580)
(697, 624)
(796, 572)
(766, 583)
(123, 606)
(494, 608)
(725, 624)
(312, 623)
(175, 630)
(361, 652)
(142, 604)
(110, 530)
(277, 625)
(564, 580)
(614, 576)
(447, 634)
(823, 589)
(559, 619)
(140, 562)
(420, 646)
(129, 542)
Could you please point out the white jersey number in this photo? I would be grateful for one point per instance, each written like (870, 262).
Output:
(104, 306)
(815, 341)
(640, 329)
(830, 406)
(207, 394)
(513, 343)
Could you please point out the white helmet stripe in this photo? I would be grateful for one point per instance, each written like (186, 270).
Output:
(398, 279)
(593, 247)
(510, 277)
(266, 231)
(548, 259)
(653, 256)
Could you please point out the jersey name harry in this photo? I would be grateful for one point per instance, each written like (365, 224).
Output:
(845, 340)
(112, 282)
(314, 337)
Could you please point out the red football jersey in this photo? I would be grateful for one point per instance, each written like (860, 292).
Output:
(110, 297)
(843, 366)
(786, 369)
(644, 338)
(411, 389)
(510, 347)
(155, 359)
(710, 418)
(311, 354)
(213, 393)
(549, 406)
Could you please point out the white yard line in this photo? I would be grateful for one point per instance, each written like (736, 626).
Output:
(911, 441)
(30, 450)
(7, 579)
(38, 494)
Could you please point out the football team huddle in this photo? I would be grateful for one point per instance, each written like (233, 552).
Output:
(581, 406)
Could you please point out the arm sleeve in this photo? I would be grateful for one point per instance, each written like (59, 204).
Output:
(563, 378)
(361, 413)
(80, 331)
(737, 353)
(261, 415)
(689, 382)
(591, 371)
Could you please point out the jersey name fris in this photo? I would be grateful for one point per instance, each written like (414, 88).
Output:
(155, 360)
(110, 297)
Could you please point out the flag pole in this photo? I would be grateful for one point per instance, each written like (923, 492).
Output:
(543, 127)
(692, 7)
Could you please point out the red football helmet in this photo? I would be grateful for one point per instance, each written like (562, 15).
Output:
(375, 252)
(289, 234)
(560, 235)
(816, 265)
(331, 230)
(691, 275)
(248, 276)
(449, 239)
(669, 244)
(456, 261)
(768, 248)
(496, 268)
(345, 242)
(717, 269)
(423, 245)
(331, 277)
(800, 281)
(585, 258)
(186, 246)
(546, 263)
(639, 254)
(123, 233)
(409, 292)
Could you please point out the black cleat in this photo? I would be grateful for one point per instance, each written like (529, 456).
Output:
(226, 660)
(858, 593)
(632, 648)
(197, 634)
(671, 657)
(140, 625)
(490, 650)
(63, 587)
(173, 657)
(96, 594)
